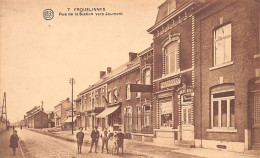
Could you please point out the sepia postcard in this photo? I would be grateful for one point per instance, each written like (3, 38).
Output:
(129, 78)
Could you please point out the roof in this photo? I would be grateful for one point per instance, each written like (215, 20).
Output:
(145, 51)
(62, 102)
(37, 113)
(127, 67)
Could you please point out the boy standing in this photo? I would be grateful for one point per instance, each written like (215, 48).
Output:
(104, 138)
(80, 137)
(14, 141)
(94, 137)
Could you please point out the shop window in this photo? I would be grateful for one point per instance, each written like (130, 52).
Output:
(147, 77)
(171, 52)
(223, 109)
(138, 94)
(165, 114)
(222, 45)
(128, 93)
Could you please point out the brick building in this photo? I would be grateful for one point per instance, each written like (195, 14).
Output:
(227, 75)
(60, 111)
(173, 72)
(38, 120)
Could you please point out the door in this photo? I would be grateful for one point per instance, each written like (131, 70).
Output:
(256, 118)
(187, 127)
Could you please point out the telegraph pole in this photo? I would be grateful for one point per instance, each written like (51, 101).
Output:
(41, 114)
(72, 82)
(4, 110)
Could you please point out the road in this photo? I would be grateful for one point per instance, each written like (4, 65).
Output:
(37, 145)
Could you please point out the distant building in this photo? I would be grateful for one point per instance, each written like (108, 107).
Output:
(38, 120)
(60, 111)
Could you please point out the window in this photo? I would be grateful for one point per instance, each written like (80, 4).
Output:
(171, 6)
(147, 77)
(222, 45)
(171, 51)
(115, 95)
(128, 93)
(147, 113)
(138, 94)
(223, 109)
(109, 97)
(165, 114)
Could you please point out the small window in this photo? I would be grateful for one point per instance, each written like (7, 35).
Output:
(128, 93)
(109, 97)
(115, 95)
(147, 77)
(222, 45)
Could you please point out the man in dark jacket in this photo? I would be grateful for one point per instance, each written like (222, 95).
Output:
(80, 136)
(14, 141)
(120, 140)
(94, 139)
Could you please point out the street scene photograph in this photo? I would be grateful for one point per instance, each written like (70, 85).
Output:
(130, 78)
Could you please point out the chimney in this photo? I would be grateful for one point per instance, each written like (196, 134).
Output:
(102, 73)
(132, 56)
(109, 69)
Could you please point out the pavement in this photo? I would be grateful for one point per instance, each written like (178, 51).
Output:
(5, 150)
(147, 149)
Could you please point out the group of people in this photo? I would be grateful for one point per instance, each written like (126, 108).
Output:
(105, 137)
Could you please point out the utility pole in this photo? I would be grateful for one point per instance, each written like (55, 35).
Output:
(41, 114)
(4, 110)
(72, 82)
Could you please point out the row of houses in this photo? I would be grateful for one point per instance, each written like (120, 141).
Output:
(38, 118)
(198, 83)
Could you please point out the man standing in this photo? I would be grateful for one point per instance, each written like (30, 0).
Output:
(94, 137)
(104, 138)
(80, 136)
(14, 141)
(120, 140)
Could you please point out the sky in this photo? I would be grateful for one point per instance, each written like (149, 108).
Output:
(38, 56)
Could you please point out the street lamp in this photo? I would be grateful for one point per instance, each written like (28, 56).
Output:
(72, 82)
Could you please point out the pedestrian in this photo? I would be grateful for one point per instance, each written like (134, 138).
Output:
(94, 139)
(120, 140)
(14, 141)
(13, 127)
(21, 127)
(80, 137)
(105, 138)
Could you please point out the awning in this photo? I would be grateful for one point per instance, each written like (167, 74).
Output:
(108, 111)
(69, 119)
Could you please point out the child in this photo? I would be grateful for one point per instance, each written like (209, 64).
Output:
(80, 136)
(14, 141)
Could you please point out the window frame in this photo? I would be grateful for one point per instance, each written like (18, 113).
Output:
(109, 96)
(228, 99)
(138, 94)
(115, 90)
(217, 40)
(128, 92)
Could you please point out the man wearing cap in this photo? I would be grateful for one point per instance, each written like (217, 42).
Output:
(120, 140)
(80, 137)
(94, 137)
(14, 141)
(104, 137)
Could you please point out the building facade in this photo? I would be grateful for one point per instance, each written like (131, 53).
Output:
(60, 111)
(38, 120)
(227, 75)
(173, 72)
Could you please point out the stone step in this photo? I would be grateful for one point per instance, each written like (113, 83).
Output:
(185, 144)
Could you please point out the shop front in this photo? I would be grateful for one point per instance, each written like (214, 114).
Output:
(92, 120)
(174, 111)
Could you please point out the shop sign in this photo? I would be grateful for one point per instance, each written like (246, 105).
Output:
(170, 83)
(187, 98)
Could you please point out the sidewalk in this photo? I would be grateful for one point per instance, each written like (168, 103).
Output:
(6, 151)
(153, 150)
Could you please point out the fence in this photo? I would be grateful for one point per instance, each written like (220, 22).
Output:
(138, 124)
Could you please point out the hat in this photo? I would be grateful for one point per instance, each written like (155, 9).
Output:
(15, 131)
(119, 129)
(80, 127)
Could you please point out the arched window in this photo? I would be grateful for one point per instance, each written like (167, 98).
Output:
(171, 52)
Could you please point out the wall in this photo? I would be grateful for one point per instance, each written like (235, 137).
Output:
(243, 16)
